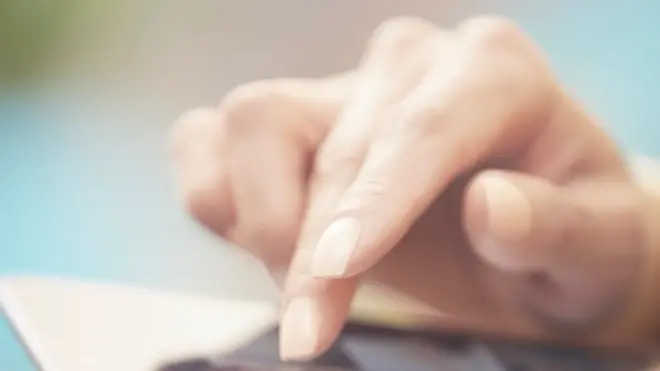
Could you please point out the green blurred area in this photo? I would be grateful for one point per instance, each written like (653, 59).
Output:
(29, 30)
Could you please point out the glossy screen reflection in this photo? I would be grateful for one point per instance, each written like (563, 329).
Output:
(363, 348)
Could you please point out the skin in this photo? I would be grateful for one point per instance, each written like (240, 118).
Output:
(450, 166)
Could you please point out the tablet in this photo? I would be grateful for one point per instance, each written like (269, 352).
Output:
(372, 348)
(74, 326)
(67, 325)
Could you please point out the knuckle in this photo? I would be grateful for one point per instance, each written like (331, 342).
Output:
(509, 62)
(249, 108)
(189, 127)
(335, 161)
(364, 194)
(195, 118)
(425, 119)
(400, 33)
(416, 121)
(491, 31)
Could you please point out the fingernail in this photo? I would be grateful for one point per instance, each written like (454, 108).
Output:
(300, 330)
(509, 211)
(335, 248)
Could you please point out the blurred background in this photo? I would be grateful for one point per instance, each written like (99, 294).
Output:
(88, 90)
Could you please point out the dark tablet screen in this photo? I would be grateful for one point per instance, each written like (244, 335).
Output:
(367, 348)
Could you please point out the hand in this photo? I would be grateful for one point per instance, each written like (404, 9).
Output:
(450, 166)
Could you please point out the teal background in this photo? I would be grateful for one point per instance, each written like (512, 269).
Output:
(77, 197)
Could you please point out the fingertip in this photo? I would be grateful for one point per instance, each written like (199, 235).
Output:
(314, 317)
(498, 219)
(508, 209)
(300, 330)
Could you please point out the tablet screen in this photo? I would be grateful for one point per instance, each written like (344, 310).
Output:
(365, 348)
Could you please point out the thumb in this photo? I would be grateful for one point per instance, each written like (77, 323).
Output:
(581, 245)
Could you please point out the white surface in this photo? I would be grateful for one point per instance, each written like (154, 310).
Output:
(73, 326)
(81, 326)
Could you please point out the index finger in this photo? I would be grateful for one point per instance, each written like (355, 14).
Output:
(488, 96)
(315, 313)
